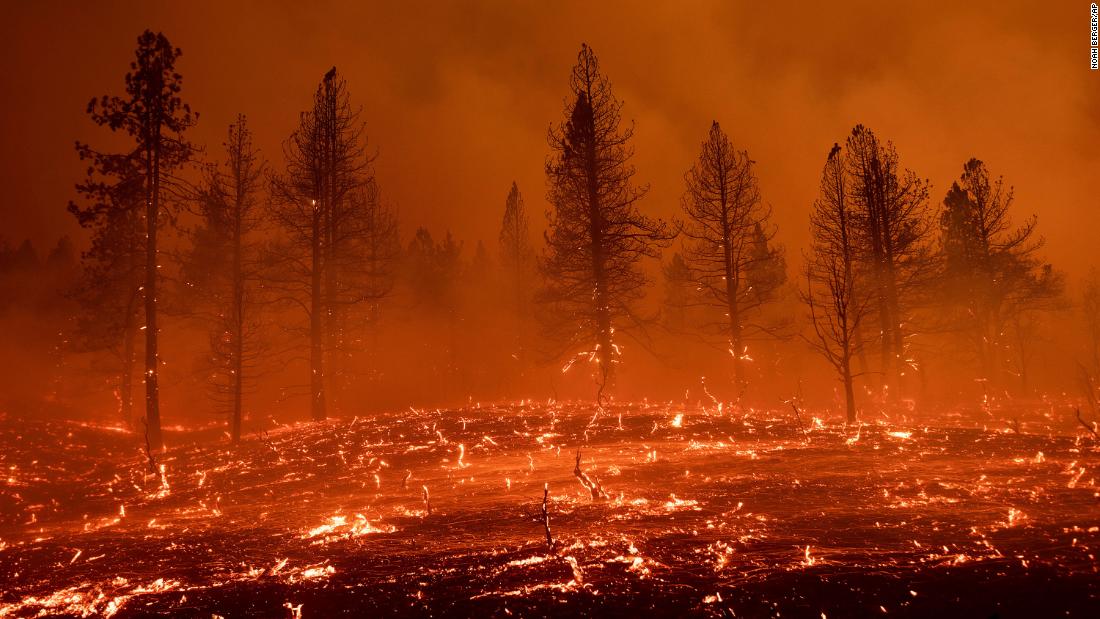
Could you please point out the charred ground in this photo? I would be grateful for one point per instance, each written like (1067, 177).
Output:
(711, 513)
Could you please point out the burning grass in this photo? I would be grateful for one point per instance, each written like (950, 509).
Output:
(670, 511)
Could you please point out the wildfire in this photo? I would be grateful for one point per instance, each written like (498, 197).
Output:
(339, 528)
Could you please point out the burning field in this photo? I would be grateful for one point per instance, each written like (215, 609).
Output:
(668, 511)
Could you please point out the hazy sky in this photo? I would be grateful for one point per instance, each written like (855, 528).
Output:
(457, 96)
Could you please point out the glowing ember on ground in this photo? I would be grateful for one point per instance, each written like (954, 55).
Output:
(704, 514)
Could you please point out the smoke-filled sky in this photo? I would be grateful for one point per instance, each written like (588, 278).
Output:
(457, 96)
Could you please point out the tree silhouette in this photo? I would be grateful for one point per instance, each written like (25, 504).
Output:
(596, 236)
(1090, 306)
(435, 274)
(112, 270)
(224, 267)
(518, 261)
(893, 236)
(681, 294)
(993, 274)
(837, 302)
(154, 116)
(324, 201)
(729, 253)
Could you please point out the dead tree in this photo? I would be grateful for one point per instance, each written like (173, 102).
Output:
(596, 236)
(154, 116)
(833, 294)
(224, 266)
(730, 252)
(546, 516)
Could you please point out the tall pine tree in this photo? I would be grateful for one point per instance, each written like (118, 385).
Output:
(730, 251)
(152, 114)
(597, 236)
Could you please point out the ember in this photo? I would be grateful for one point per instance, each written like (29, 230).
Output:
(568, 309)
(924, 509)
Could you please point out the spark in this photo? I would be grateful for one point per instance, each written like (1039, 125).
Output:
(808, 561)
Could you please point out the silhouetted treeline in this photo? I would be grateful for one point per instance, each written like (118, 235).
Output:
(298, 281)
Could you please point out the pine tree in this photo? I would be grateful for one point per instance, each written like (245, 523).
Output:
(224, 267)
(892, 231)
(730, 253)
(680, 294)
(323, 203)
(435, 272)
(837, 300)
(155, 117)
(518, 260)
(596, 237)
(993, 273)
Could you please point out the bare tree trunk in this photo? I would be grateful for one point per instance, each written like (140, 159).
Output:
(599, 270)
(857, 343)
(152, 390)
(317, 348)
(733, 281)
(885, 343)
(238, 387)
(735, 333)
(849, 391)
(238, 320)
(126, 386)
(333, 326)
(897, 338)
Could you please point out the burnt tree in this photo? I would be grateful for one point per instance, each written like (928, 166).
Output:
(837, 302)
(729, 251)
(224, 267)
(596, 236)
(322, 202)
(994, 276)
(892, 232)
(154, 116)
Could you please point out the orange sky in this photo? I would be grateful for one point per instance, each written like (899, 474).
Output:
(458, 96)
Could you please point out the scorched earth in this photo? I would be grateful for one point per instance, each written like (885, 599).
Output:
(671, 511)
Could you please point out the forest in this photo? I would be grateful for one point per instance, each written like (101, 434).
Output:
(296, 279)
(254, 385)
